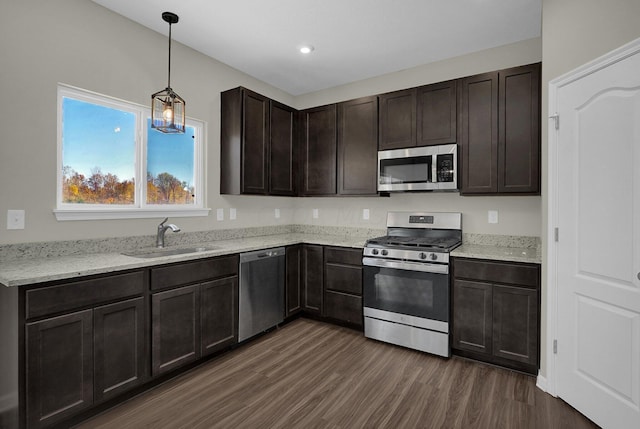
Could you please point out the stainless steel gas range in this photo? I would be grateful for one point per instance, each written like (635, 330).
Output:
(406, 280)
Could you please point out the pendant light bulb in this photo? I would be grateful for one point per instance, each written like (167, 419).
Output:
(167, 114)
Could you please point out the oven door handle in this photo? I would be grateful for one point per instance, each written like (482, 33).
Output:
(424, 267)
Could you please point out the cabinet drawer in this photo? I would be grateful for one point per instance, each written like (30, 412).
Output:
(193, 272)
(84, 293)
(343, 278)
(344, 307)
(498, 272)
(343, 256)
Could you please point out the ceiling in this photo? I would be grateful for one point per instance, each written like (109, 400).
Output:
(352, 39)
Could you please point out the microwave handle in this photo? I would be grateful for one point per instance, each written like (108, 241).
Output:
(434, 168)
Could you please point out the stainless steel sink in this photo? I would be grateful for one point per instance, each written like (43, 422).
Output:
(159, 253)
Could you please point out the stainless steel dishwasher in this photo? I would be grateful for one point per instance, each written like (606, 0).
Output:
(261, 303)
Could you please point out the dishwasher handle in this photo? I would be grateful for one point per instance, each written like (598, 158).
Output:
(262, 254)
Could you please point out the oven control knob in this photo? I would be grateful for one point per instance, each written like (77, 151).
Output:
(374, 251)
(384, 252)
(433, 256)
(422, 255)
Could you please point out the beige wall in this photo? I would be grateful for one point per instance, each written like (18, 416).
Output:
(79, 43)
(575, 32)
(82, 44)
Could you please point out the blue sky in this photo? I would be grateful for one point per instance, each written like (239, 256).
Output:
(98, 136)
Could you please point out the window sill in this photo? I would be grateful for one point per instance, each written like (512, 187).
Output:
(103, 214)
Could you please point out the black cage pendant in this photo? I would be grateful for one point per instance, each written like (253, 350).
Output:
(167, 107)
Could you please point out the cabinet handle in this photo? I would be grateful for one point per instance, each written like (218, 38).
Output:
(639, 276)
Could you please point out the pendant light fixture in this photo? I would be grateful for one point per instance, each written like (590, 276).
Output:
(167, 107)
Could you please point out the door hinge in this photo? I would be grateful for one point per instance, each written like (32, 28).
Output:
(555, 347)
(556, 234)
(556, 120)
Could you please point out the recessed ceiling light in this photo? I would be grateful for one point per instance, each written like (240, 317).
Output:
(306, 49)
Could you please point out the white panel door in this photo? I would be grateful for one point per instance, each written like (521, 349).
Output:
(598, 251)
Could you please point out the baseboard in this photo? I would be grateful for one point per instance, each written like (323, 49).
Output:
(541, 383)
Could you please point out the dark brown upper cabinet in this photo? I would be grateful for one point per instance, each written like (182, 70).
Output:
(422, 116)
(319, 152)
(256, 145)
(358, 146)
(519, 130)
(500, 132)
(436, 114)
(283, 154)
(397, 119)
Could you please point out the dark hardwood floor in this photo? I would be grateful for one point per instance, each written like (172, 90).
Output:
(309, 374)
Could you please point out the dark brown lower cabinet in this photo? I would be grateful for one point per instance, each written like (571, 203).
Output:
(192, 321)
(119, 349)
(59, 370)
(293, 280)
(312, 286)
(175, 328)
(343, 285)
(218, 314)
(496, 312)
(81, 358)
(473, 317)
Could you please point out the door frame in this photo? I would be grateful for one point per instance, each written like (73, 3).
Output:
(549, 382)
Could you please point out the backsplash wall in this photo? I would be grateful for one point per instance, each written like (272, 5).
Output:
(516, 215)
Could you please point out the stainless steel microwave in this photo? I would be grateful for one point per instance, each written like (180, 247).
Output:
(427, 168)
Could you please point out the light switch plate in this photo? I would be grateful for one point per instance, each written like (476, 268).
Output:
(276, 213)
(493, 216)
(220, 214)
(365, 214)
(315, 214)
(232, 214)
(15, 219)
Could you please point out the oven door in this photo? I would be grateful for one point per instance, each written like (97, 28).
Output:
(406, 288)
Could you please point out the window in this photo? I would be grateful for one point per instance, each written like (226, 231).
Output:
(112, 164)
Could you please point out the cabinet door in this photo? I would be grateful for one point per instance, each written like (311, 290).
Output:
(472, 316)
(479, 133)
(436, 115)
(319, 151)
(175, 337)
(59, 372)
(255, 143)
(515, 324)
(358, 146)
(218, 314)
(294, 280)
(119, 347)
(519, 130)
(397, 119)
(313, 279)
(283, 154)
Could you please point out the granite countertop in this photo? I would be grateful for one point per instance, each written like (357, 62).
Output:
(26, 268)
(31, 270)
(499, 253)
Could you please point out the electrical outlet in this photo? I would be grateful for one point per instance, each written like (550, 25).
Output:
(276, 213)
(15, 219)
(493, 216)
(315, 214)
(365, 214)
(220, 214)
(232, 214)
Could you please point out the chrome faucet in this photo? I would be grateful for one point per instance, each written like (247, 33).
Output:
(162, 229)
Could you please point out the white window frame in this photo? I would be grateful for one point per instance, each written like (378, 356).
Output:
(140, 209)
